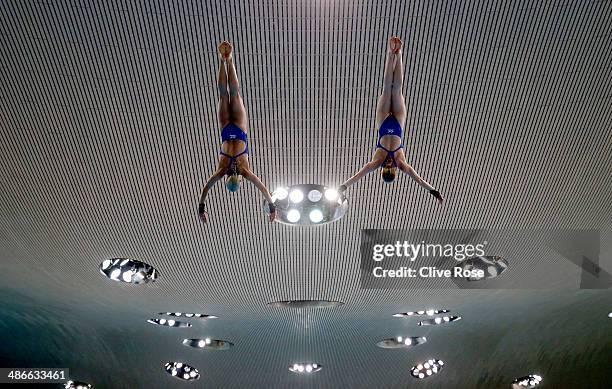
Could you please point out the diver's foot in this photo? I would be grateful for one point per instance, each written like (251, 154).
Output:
(225, 50)
(396, 45)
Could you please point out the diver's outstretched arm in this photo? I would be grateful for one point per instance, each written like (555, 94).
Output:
(365, 170)
(409, 170)
(249, 175)
(209, 184)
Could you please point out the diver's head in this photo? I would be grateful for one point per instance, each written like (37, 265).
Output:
(388, 171)
(232, 182)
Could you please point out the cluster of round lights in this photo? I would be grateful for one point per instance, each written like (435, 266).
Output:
(213, 344)
(128, 270)
(402, 342)
(530, 381)
(428, 312)
(321, 204)
(182, 371)
(169, 323)
(426, 369)
(188, 315)
(305, 368)
(491, 266)
(77, 385)
(439, 320)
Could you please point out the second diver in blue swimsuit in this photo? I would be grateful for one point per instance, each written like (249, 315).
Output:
(390, 114)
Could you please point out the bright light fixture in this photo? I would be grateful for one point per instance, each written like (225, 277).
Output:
(293, 216)
(316, 216)
(530, 381)
(169, 323)
(189, 315)
(128, 270)
(306, 304)
(439, 320)
(301, 205)
(314, 195)
(402, 342)
(280, 194)
(77, 385)
(491, 266)
(331, 194)
(426, 369)
(429, 312)
(305, 368)
(208, 343)
(182, 371)
(296, 196)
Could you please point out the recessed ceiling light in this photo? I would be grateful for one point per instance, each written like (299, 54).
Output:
(426, 369)
(169, 323)
(428, 312)
(439, 320)
(182, 371)
(280, 194)
(128, 270)
(305, 304)
(530, 381)
(296, 196)
(314, 195)
(189, 315)
(305, 368)
(402, 342)
(491, 266)
(302, 205)
(77, 385)
(207, 343)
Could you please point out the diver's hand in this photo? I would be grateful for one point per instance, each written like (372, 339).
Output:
(272, 216)
(342, 189)
(202, 213)
(437, 195)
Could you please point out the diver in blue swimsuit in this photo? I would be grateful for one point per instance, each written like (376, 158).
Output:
(234, 154)
(390, 116)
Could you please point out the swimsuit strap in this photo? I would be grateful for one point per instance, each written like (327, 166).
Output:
(390, 152)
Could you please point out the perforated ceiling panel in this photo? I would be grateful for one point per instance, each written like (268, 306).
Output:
(108, 131)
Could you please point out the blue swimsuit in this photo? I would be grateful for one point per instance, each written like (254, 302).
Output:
(390, 126)
(233, 132)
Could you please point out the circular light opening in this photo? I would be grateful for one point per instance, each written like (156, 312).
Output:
(293, 216)
(426, 369)
(169, 323)
(529, 381)
(429, 312)
(305, 368)
(280, 194)
(296, 196)
(490, 266)
(182, 371)
(439, 320)
(331, 194)
(128, 270)
(189, 315)
(77, 385)
(305, 304)
(211, 344)
(402, 342)
(314, 195)
(316, 216)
